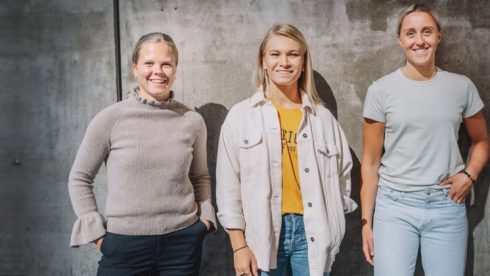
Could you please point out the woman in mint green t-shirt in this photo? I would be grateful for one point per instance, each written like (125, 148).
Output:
(414, 178)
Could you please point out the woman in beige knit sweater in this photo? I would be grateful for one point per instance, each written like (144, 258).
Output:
(158, 206)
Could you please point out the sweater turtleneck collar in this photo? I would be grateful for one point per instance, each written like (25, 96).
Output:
(170, 102)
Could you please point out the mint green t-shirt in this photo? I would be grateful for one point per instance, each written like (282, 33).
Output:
(422, 120)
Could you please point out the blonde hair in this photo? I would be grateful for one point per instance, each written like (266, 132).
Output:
(306, 80)
(155, 37)
(418, 8)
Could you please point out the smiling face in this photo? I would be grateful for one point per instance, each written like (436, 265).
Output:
(283, 60)
(419, 37)
(155, 70)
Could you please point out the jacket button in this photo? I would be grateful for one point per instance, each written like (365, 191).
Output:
(309, 204)
(305, 135)
(312, 239)
(307, 170)
(245, 142)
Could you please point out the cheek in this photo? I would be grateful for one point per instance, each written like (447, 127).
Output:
(301, 64)
(267, 63)
(142, 72)
(170, 73)
(436, 42)
(405, 43)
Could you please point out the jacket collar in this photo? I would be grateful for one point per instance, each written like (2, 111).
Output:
(259, 98)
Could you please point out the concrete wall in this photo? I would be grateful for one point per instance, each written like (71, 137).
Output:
(58, 70)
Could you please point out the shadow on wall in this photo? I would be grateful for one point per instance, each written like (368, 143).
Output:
(217, 256)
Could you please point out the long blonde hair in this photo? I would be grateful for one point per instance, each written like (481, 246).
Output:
(306, 80)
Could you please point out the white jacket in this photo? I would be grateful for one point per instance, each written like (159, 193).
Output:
(249, 179)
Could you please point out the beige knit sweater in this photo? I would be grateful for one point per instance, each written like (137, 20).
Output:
(158, 180)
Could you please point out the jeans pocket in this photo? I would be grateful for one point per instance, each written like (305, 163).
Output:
(204, 227)
(448, 198)
(388, 194)
(102, 245)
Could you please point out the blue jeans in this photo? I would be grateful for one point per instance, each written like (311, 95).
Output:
(293, 248)
(429, 218)
(174, 254)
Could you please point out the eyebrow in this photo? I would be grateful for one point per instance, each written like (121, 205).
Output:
(288, 51)
(425, 27)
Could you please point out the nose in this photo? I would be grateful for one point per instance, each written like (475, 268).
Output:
(157, 70)
(420, 40)
(284, 61)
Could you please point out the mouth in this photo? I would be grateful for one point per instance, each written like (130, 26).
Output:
(158, 81)
(284, 72)
(420, 50)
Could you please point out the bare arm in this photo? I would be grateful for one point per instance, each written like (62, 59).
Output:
(476, 127)
(243, 258)
(373, 139)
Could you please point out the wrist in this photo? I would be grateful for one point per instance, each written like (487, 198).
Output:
(471, 176)
(365, 222)
(240, 248)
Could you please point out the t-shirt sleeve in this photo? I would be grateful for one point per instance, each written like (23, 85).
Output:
(473, 101)
(373, 105)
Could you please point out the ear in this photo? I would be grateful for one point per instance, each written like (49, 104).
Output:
(133, 69)
(439, 37)
(399, 41)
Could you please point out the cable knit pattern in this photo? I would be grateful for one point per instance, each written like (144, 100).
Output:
(158, 180)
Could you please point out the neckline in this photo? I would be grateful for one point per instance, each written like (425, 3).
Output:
(280, 107)
(420, 82)
(154, 103)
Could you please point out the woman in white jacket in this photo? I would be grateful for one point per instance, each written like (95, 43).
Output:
(283, 170)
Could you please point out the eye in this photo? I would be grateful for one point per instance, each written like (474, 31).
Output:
(274, 54)
(411, 34)
(294, 54)
(167, 65)
(148, 63)
(427, 32)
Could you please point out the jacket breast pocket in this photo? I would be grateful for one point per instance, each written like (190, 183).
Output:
(327, 158)
(251, 152)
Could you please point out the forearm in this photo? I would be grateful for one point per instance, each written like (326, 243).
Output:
(202, 186)
(369, 188)
(373, 138)
(479, 157)
(198, 172)
(476, 127)
(237, 238)
(80, 185)
(228, 185)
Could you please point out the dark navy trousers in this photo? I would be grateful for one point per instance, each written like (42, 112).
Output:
(174, 254)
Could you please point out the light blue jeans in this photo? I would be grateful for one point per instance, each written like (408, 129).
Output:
(429, 218)
(293, 248)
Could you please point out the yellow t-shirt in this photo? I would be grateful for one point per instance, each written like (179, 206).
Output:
(291, 191)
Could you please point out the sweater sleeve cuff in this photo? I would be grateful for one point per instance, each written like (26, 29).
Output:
(206, 212)
(87, 228)
(349, 205)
